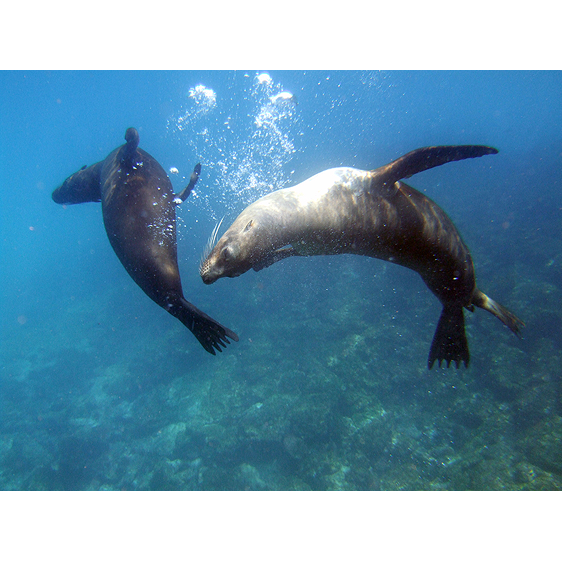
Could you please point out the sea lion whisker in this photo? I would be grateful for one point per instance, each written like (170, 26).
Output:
(210, 245)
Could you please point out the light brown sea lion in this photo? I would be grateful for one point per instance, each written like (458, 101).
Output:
(370, 213)
(139, 213)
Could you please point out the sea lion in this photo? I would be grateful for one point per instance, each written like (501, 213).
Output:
(370, 213)
(139, 214)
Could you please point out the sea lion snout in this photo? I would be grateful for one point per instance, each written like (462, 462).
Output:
(213, 267)
(81, 187)
(206, 276)
(68, 192)
(223, 261)
(57, 195)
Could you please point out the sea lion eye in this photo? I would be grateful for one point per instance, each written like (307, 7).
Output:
(249, 225)
(225, 253)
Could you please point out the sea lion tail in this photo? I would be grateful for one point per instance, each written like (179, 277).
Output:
(508, 318)
(209, 332)
(449, 342)
(426, 158)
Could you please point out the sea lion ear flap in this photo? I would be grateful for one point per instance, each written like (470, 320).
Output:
(249, 225)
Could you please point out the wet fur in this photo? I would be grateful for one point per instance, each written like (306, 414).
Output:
(371, 213)
(138, 206)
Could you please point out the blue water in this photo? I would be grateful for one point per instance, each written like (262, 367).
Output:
(328, 387)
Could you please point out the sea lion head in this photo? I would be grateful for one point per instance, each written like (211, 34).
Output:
(81, 187)
(241, 248)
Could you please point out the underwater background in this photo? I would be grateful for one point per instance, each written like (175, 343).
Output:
(328, 388)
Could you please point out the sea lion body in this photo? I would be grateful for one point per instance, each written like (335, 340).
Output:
(370, 213)
(138, 207)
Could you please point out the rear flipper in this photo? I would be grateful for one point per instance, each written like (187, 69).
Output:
(211, 334)
(449, 342)
(509, 319)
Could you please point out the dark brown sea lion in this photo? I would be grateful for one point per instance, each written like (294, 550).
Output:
(139, 213)
(371, 213)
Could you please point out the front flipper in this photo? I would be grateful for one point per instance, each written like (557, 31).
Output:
(274, 257)
(209, 332)
(181, 197)
(449, 342)
(426, 158)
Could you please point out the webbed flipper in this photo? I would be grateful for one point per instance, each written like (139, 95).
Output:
(181, 197)
(449, 342)
(210, 334)
(426, 158)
